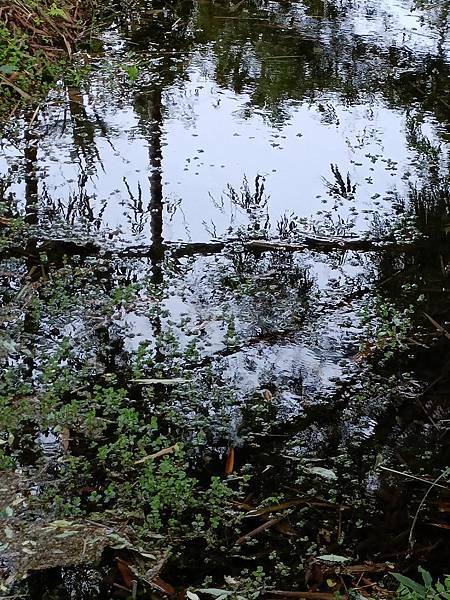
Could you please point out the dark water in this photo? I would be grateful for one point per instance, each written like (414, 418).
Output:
(199, 123)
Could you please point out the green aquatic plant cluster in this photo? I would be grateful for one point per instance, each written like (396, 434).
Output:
(109, 441)
(389, 327)
(427, 589)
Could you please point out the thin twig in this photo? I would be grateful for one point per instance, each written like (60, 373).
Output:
(444, 473)
(255, 532)
(413, 477)
(438, 326)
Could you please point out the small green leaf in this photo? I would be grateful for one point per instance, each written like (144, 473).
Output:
(147, 555)
(326, 473)
(334, 558)
(427, 579)
(216, 592)
(7, 69)
(61, 523)
(65, 534)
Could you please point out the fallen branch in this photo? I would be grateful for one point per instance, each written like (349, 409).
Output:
(158, 454)
(258, 530)
(16, 88)
(61, 247)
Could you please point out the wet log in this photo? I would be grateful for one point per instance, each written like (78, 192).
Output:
(61, 247)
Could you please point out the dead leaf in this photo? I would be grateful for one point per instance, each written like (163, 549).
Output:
(126, 573)
(65, 438)
(301, 595)
(155, 381)
(229, 467)
(276, 507)
(163, 586)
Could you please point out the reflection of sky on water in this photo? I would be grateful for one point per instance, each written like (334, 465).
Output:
(217, 146)
(208, 144)
(213, 137)
(418, 26)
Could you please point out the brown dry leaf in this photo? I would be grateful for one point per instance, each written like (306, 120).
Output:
(163, 586)
(364, 354)
(126, 573)
(301, 595)
(65, 438)
(285, 528)
(267, 395)
(229, 467)
(243, 505)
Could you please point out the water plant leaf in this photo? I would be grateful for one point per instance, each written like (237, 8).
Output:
(333, 558)
(426, 577)
(326, 473)
(410, 584)
(7, 69)
(155, 381)
(216, 592)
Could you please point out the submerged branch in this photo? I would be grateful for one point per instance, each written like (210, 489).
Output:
(60, 247)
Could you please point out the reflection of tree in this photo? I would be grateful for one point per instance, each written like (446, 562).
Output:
(282, 58)
(83, 129)
(79, 207)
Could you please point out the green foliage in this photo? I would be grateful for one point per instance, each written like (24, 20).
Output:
(387, 325)
(426, 590)
(30, 71)
(56, 11)
(132, 72)
(249, 586)
(28, 67)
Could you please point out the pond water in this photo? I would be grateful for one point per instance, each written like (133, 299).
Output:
(140, 185)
